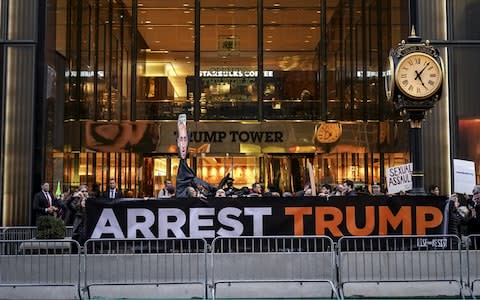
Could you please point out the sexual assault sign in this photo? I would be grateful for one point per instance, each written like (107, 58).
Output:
(334, 217)
(399, 178)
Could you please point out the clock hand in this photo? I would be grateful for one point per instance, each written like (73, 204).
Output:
(420, 78)
(418, 74)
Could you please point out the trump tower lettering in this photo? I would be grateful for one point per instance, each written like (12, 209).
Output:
(339, 216)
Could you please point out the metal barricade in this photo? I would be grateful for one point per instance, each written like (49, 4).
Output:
(273, 259)
(145, 262)
(26, 232)
(27, 263)
(473, 261)
(399, 259)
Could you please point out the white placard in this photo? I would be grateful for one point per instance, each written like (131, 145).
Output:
(311, 174)
(399, 178)
(463, 176)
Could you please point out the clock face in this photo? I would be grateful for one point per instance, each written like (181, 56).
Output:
(329, 133)
(389, 78)
(418, 76)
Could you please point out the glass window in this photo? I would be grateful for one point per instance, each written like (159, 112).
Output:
(165, 59)
(291, 48)
(245, 170)
(358, 44)
(464, 64)
(2, 27)
(25, 10)
(228, 60)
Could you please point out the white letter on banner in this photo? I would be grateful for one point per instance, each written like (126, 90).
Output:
(258, 213)
(196, 222)
(106, 217)
(176, 227)
(223, 218)
(143, 227)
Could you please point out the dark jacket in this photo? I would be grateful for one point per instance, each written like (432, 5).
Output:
(41, 203)
(118, 194)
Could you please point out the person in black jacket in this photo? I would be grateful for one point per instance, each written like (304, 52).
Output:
(112, 192)
(186, 177)
(455, 218)
(76, 205)
(474, 221)
(44, 203)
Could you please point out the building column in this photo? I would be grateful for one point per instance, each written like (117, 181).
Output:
(17, 113)
(431, 25)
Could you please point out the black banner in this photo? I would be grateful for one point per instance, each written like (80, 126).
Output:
(334, 217)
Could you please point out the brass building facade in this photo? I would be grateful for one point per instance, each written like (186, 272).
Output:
(92, 89)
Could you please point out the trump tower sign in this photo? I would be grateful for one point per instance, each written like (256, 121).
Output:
(334, 217)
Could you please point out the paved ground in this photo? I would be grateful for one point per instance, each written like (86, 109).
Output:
(362, 291)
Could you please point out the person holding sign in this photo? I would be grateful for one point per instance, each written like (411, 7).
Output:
(187, 180)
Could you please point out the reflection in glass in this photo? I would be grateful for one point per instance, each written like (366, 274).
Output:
(228, 60)
(165, 59)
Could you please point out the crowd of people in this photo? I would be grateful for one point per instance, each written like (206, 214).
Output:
(70, 206)
(463, 209)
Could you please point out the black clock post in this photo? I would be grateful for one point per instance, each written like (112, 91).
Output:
(414, 83)
(416, 152)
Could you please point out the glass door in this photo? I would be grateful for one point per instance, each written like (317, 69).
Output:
(245, 170)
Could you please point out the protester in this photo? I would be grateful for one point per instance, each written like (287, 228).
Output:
(349, 191)
(256, 190)
(77, 206)
(434, 190)
(474, 221)
(376, 190)
(220, 193)
(186, 177)
(455, 218)
(167, 191)
(325, 190)
(230, 190)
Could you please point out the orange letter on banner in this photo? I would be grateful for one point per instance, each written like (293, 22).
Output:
(369, 221)
(298, 213)
(421, 216)
(321, 224)
(385, 216)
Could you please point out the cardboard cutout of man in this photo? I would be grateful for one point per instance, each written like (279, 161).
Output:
(186, 177)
